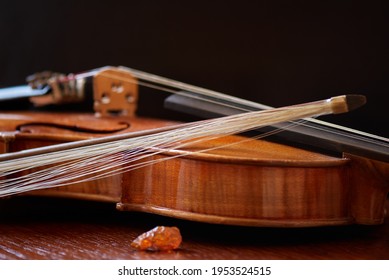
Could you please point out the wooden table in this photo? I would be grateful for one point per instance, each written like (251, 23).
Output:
(48, 228)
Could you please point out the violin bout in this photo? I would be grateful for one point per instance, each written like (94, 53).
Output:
(264, 184)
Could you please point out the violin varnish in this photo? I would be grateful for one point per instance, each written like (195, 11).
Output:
(252, 189)
(369, 181)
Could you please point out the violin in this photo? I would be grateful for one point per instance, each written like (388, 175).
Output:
(248, 183)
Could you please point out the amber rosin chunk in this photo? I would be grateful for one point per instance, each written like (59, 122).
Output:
(160, 238)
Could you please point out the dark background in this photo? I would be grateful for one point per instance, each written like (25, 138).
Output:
(274, 52)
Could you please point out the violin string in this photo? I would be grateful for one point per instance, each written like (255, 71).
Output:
(356, 134)
(352, 133)
(367, 137)
(94, 156)
(239, 103)
(207, 94)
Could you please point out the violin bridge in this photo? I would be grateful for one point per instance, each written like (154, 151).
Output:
(115, 92)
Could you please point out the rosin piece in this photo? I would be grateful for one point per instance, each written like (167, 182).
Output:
(158, 239)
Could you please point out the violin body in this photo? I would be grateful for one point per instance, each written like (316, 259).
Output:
(250, 183)
(258, 184)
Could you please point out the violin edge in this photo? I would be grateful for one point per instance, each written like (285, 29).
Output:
(234, 221)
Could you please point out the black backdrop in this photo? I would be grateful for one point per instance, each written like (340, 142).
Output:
(273, 52)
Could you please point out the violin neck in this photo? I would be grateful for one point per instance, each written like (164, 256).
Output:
(312, 134)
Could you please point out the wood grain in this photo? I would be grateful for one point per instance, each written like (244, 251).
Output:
(49, 228)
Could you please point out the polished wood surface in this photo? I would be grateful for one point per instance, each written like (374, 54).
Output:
(48, 228)
(246, 183)
(54, 228)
